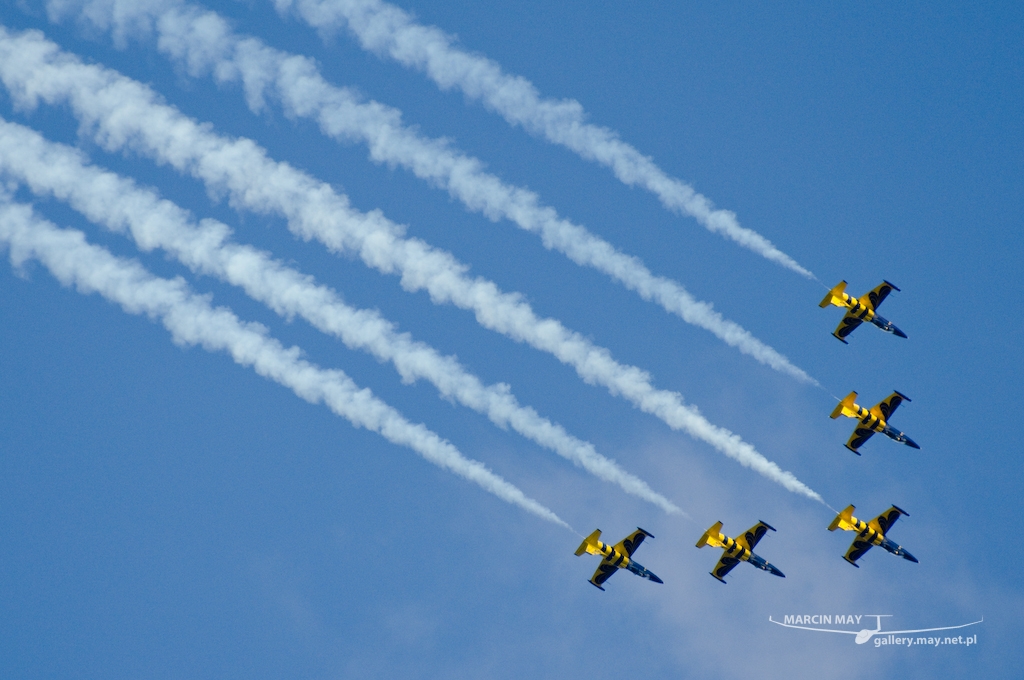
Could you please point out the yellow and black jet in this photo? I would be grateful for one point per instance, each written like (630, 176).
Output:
(859, 310)
(872, 420)
(737, 550)
(870, 533)
(618, 556)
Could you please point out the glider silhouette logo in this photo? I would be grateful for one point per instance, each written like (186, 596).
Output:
(882, 637)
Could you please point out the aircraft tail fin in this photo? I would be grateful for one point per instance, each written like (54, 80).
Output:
(844, 520)
(846, 407)
(589, 544)
(835, 296)
(710, 537)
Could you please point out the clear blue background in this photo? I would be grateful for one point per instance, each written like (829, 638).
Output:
(165, 513)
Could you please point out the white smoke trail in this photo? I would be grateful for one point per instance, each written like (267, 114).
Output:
(203, 42)
(121, 113)
(191, 320)
(48, 168)
(387, 30)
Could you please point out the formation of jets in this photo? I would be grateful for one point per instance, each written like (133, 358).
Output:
(741, 549)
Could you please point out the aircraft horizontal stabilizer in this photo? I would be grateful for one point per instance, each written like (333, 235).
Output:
(710, 537)
(589, 544)
(844, 520)
(835, 296)
(846, 407)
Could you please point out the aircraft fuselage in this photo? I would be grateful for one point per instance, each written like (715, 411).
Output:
(875, 423)
(867, 537)
(622, 561)
(735, 552)
(859, 310)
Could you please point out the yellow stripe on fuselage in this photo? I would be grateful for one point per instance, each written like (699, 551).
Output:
(866, 533)
(734, 549)
(613, 556)
(857, 308)
(869, 420)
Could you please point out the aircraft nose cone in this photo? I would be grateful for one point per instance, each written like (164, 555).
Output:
(656, 579)
(908, 556)
(897, 332)
(912, 444)
(775, 570)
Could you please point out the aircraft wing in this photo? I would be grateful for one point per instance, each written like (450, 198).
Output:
(846, 326)
(888, 406)
(603, 573)
(630, 543)
(857, 439)
(723, 567)
(751, 536)
(884, 522)
(856, 551)
(877, 296)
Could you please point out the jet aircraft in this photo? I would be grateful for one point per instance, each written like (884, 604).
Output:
(870, 533)
(618, 556)
(859, 310)
(872, 420)
(737, 550)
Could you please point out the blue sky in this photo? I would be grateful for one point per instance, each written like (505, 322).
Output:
(169, 513)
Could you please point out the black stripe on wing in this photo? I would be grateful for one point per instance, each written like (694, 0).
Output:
(756, 533)
(724, 566)
(878, 295)
(847, 326)
(857, 550)
(888, 518)
(605, 570)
